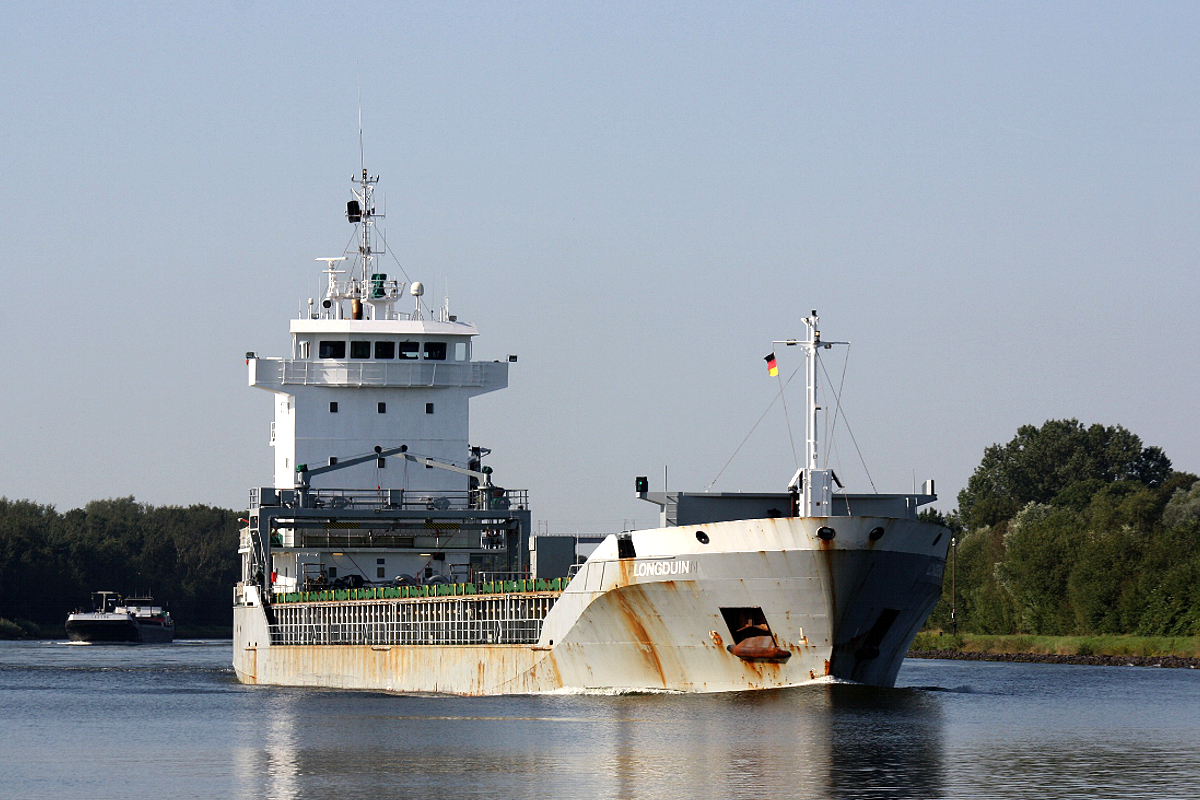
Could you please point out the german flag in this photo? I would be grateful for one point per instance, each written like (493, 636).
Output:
(772, 367)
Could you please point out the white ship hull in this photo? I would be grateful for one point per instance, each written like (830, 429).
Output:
(735, 590)
(846, 608)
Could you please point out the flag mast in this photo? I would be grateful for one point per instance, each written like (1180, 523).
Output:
(813, 484)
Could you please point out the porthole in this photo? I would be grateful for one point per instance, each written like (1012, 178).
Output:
(702, 537)
(876, 534)
(826, 533)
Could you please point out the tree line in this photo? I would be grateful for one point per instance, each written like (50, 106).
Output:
(1074, 530)
(50, 563)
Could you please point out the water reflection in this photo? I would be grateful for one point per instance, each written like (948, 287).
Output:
(886, 743)
(830, 741)
(269, 757)
(822, 741)
(1104, 765)
(77, 720)
(281, 746)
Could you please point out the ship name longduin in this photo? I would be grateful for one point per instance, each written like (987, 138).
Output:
(646, 569)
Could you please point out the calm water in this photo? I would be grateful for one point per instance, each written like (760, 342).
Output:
(171, 721)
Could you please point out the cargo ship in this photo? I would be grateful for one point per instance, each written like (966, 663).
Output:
(388, 557)
(113, 620)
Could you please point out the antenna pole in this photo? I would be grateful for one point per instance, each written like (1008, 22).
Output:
(362, 159)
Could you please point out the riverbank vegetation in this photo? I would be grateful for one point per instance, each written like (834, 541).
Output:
(50, 563)
(1103, 645)
(1073, 531)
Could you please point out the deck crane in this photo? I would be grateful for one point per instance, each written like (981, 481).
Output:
(304, 472)
(492, 497)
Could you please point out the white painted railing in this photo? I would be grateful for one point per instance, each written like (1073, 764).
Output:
(507, 619)
(380, 373)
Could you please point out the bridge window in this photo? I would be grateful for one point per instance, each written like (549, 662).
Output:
(460, 351)
(435, 351)
(332, 350)
(360, 349)
(429, 408)
(385, 350)
(382, 408)
(333, 407)
(409, 350)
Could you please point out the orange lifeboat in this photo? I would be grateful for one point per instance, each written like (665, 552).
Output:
(757, 644)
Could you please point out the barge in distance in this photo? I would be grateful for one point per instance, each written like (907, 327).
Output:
(134, 620)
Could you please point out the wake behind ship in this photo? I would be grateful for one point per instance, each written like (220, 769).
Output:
(387, 557)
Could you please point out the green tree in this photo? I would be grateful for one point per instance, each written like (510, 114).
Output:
(1103, 582)
(1168, 585)
(1039, 553)
(983, 605)
(1073, 529)
(1183, 507)
(1039, 463)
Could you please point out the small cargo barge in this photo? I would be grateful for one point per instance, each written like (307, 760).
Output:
(113, 620)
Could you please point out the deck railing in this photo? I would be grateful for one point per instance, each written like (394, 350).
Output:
(498, 619)
(380, 373)
(481, 499)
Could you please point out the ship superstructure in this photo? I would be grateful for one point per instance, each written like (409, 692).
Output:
(375, 396)
(385, 557)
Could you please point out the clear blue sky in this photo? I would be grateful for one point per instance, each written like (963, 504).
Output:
(996, 203)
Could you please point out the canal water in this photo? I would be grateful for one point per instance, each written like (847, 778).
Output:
(170, 721)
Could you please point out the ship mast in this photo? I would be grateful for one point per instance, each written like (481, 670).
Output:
(365, 289)
(811, 482)
(362, 210)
